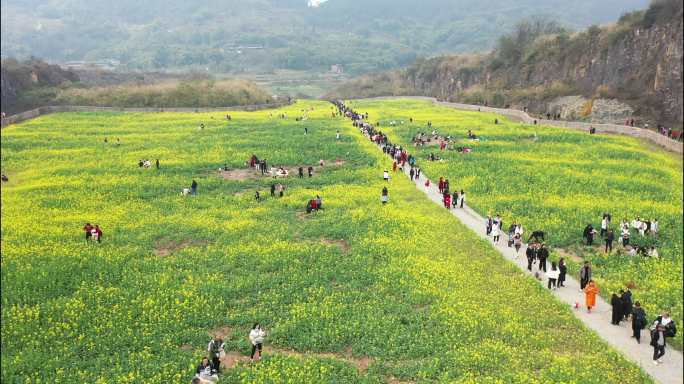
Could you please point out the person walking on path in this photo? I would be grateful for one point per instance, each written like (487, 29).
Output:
(610, 237)
(531, 256)
(658, 343)
(256, 337)
(626, 297)
(384, 198)
(552, 275)
(454, 199)
(440, 185)
(590, 292)
(638, 321)
(585, 275)
(462, 198)
(563, 269)
(496, 232)
(488, 225)
(215, 348)
(447, 200)
(517, 243)
(301, 172)
(542, 255)
(616, 305)
(412, 173)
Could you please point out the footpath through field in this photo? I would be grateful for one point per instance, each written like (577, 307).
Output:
(599, 320)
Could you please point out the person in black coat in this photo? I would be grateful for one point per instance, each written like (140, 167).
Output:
(638, 321)
(616, 303)
(563, 268)
(588, 234)
(610, 237)
(626, 298)
(542, 255)
(531, 254)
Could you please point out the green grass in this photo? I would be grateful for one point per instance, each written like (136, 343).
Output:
(558, 183)
(416, 292)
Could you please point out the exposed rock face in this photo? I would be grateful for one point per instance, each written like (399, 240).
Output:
(640, 66)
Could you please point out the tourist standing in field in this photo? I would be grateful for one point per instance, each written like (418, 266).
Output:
(638, 321)
(256, 337)
(585, 275)
(273, 188)
(604, 225)
(205, 371)
(156, 164)
(257, 196)
(384, 197)
(552, 275)
(589, 233)
(301, 172)
(215, 348)
(590, 292)
(654, 227)
(563, 269)
(610, 237)
(616, 305)
(310, 170)
(88, 228)
(193, 187)
(385, 175)
(625, 236)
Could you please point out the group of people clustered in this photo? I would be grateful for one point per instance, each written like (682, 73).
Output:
(623, 308)
(644, 227)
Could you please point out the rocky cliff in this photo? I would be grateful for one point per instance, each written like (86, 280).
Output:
(630, 69)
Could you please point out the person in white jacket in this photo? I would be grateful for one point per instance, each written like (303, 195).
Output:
(256, 337)
(496, 232)
(552, 275)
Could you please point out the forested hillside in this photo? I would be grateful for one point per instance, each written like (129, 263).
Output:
(262, 35)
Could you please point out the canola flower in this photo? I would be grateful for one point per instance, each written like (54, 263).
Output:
(412, 290)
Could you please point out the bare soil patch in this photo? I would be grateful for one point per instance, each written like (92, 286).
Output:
(239, 174)
(221, 332)
(569, 255)
(164, 246)
(342, 244)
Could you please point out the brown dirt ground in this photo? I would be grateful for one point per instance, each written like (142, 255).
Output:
(165, 247)
(569, 255)
(342, 244)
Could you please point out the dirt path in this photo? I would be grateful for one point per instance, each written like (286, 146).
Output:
(619, 337)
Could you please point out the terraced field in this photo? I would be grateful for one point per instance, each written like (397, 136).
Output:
(355, 293)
